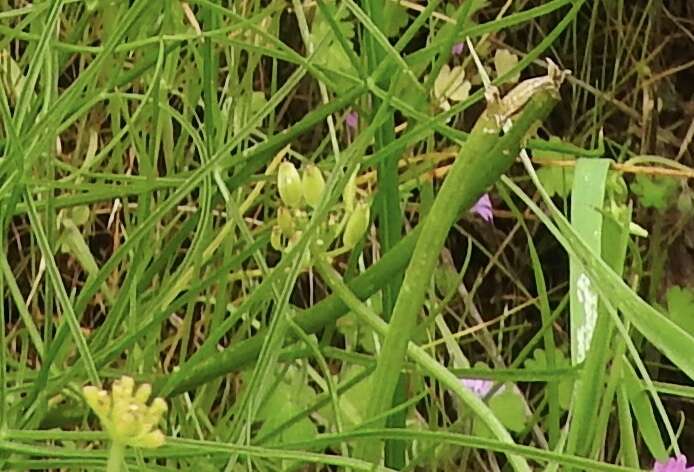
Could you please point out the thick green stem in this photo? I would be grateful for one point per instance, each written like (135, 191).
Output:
(311, 320)
(116, 455)
(424, 360)
(482, 160)
(387, 206)
(315, 318)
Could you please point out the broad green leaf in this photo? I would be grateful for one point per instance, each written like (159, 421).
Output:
(643, 412)
(555, 179)
(329, 53)
(451, 84)
(654, 192)
(290, 396)
(676, 344)
(355, 333)
(321, 29)
(539, 361)
(504, 61)
(508, 406)
(395, 16)
(353, 402)
(588, 196)
(680, 305)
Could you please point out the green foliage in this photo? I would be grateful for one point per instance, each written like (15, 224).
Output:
(557, 180)
(330, 54)
(654, 191)
(504, 61)
(566, 385)
(508, 406)
(395, 16)
(138, 204)
(642, 409)
(680, 307)
(289, 397)
(446, 279)
(356, 335)
(451, 10)
(352, 403)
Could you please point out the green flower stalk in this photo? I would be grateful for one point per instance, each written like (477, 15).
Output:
(126, 417)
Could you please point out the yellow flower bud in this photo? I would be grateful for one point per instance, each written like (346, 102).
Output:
(124, 414)
(357, 225)
(143, 392)
(313, 185)
(152, 440)
(289, 184)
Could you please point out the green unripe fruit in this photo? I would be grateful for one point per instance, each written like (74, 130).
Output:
(289, 185)
(357, 225)
(313, 185)
(350, 191)
(285, 221)
(276, 238)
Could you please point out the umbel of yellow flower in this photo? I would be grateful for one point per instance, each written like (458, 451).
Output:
(124, 414)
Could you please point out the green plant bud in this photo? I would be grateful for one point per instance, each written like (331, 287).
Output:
(276, 238)
(349, 193)
(637, 230)
(80, 214)
(313, 185)
(285, 221)
(289, 184)
(357, 225)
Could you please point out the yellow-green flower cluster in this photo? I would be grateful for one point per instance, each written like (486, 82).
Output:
(125, 415)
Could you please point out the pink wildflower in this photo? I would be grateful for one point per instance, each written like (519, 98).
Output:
(457, 49)
(673, 464)
(352, 120)
(479, 387)
(483, 207)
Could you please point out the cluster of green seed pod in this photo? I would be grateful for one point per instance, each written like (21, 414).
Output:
(298, 191)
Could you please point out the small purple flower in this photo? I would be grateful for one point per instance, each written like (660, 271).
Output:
(483, 207)
(457, 49)
(673, 464)
(479, 387)
(352, 120)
